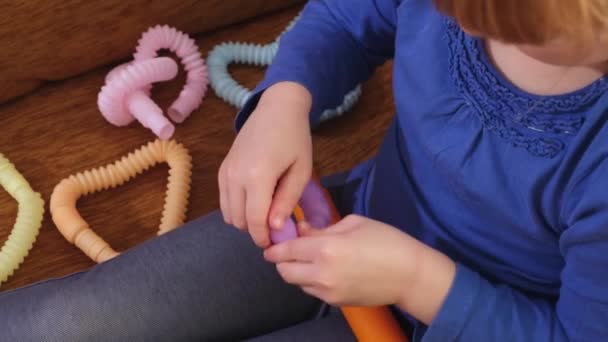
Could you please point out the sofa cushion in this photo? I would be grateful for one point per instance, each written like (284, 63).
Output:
(56, 39)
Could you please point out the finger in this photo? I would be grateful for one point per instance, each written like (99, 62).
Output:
(324, 295)
(313, 291)
(303, 249)
(224, 207)
(296, 273)
(259, 197)
(287, 194)
(337, 228)
(289, 231)
(236, 194)
(305, 229)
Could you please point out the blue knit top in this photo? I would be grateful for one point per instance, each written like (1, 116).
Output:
(517, 197)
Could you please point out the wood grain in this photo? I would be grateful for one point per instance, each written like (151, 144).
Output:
(57, 130)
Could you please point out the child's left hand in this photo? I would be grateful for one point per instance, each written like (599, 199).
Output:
(357, 261)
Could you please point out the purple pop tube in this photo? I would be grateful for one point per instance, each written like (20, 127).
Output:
(315, 208)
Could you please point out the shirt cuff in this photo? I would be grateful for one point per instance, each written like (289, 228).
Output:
(250, 104)
(456, 308)
(276, 75)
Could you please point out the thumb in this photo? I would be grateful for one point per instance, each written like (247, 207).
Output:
(287, 194)
(305, 229)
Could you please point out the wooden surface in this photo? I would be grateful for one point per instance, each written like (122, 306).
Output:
(57, 131)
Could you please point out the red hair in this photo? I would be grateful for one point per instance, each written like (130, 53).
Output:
(531, 21)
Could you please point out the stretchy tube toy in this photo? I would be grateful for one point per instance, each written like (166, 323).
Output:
(369, 324)
(311, 205)
(65, 195)
(257, 55)
(125, 96)
(28, 222)
(165, 37)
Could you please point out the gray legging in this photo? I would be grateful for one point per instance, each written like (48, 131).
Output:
(202, 282)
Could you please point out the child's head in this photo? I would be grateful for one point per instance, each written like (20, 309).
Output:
(555, 31)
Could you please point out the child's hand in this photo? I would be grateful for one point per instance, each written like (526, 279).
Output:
(358, 261)
(269, 163)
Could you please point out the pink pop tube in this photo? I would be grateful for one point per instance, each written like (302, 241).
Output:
(165, 37)
(125, 97)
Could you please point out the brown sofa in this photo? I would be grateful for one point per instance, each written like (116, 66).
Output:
(55, 57)
(53, 40)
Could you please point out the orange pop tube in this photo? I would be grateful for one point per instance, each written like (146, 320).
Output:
(65, 195)
(369, 324)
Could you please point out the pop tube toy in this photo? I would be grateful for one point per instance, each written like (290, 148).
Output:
(65, 195)
(197, 80)
(369, 324)
(237, 95)
(28, 222)
(126, 93)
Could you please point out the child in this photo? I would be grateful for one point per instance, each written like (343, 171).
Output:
(483, 216)
(493, 170)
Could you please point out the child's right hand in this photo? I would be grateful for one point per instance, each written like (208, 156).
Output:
(269, 163)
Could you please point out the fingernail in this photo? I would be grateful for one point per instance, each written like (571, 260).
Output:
(278, 223)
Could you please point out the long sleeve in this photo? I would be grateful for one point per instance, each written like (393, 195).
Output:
(335, 45)
(477, 310)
